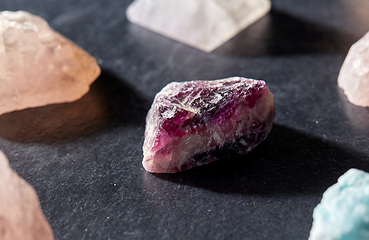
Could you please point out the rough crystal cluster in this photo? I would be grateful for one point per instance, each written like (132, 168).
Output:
(354, 74)
(203, 24)
(38, 66)
(21, 217)
(197, 122)
(344, 210)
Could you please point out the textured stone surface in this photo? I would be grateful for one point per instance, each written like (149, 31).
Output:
(38, 66)
(203, 24)
(354, 74)
(21, 217)
(344, 210)
(292, 168)
(197, 122)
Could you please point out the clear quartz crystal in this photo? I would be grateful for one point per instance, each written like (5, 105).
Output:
(354, 74)
(21, 217)
(203, 24)
(197, 122)
(38, 66)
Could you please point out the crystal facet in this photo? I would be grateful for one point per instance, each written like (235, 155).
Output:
(38, 66)
(21, 217)
(197, 122)
(344, 210)
(203, 24)
(354, 74)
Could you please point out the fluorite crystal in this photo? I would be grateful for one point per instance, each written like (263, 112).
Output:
(38, 66)
(344, 210)
(204, 24)
(197, 122)
(354, 74)
(21, 217)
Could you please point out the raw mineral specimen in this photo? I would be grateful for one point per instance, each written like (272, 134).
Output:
(38, 66)
(344, 210)
(203, 24)
(354, 74)
(197, 122)
(21, 217)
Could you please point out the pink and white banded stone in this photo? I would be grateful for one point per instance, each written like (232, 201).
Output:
(197, 122)
(21, 217)
(354, 74)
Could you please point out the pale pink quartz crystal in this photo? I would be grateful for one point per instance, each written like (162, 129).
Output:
(203, 24)
(21, 217)
(354, 74)
(194, 123)
(38, 66)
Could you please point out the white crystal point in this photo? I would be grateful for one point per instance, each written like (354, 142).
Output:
(38, 66)
(203, 24)
(354, 74)
(21, 217)
(343, 213)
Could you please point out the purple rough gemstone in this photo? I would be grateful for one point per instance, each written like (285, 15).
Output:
(197, 122)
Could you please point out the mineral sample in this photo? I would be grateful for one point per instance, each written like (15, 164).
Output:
(197, 122)
(21, 217)
(38, 66)
(203, 24)
(344, 210)
(354, 74)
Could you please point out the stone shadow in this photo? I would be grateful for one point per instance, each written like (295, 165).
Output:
(109, 103)
(279, 33)
(357, 116)
(287, 162)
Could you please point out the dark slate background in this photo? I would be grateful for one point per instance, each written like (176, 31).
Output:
(84, 158)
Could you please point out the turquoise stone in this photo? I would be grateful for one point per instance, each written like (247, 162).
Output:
(343, 213)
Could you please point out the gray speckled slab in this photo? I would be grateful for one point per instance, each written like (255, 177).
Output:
(84, 158)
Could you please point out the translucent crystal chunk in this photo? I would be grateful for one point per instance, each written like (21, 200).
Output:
(21, 217)
(203, 24)
(197, 122)
(38, 66)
